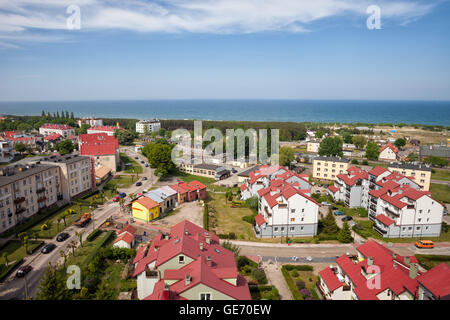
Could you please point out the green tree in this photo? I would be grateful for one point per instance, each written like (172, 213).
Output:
(331, 147)
(286, 156)
(400, 142)
(329, 224)
(65, 147)
(20, 147)
(53, 285)
(345, 235)
(436, 161)
(162, 132)
(347, 136)
(125, 137)
(5, 257)
(372, 150)
(412, 157)
(84, 128)
(319, 134)
(80, 237)
(359, 141)
(160, 157)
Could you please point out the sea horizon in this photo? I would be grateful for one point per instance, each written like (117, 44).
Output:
(425, 112)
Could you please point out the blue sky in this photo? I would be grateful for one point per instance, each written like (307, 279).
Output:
(224, 49)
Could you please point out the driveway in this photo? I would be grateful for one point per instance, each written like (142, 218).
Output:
(275, 277)
(191, 211)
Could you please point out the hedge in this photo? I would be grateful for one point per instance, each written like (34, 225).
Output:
(205, 217)
(290, 283)
(11, 267)
(290, 267)
(93, 235)
(94, 252)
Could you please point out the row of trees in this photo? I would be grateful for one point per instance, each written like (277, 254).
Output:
(159, 155)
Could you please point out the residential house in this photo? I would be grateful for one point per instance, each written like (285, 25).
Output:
(313, 146)
(188, 264)
(145, 209)
(109, 130)
(388, 152)
(150, 125)
(125, 238)
(6, 150)
(101, 148)
(352, 188)
(435, 283)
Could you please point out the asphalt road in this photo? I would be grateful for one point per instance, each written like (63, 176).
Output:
(13, 288)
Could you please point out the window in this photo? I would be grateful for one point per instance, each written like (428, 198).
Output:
(292, 219)
(292, 210)
(292, 228)
(205, 296)
(275, 229)
(181, 259)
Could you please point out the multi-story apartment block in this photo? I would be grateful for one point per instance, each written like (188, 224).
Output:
(64, 130)
(77, 174)
(313, 146)
(421, 173)
(188, 264)
(388, 152)
(377, 273)
(327, 168)
(90, 121)
(285, 206)
(25, 190)
(102, 148)
(32, 141)
(6, 150)
(152, 125)
(395, 203)
(109, 130)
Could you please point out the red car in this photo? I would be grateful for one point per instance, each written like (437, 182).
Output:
(116, 199)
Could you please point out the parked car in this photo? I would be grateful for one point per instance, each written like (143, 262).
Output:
(23, 271)
(62, 236)
(445, 212)
(334, 208)
(233, 170)
(142, 161)
(144, 178)
(116, 199)
(339, 213)
(424, 244)
(136, 158)
(49, 247)
(346, 218)
(138, 184)
(122, 195)
(326, 203)
(318, 192)
(320, 185)
(309, 258)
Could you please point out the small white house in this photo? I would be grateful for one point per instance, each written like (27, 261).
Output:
(125, 240)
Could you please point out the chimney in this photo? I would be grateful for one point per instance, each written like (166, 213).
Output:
(369, 261)
(201, 246)
(413, 270)
(407, 260)
(208, 239)
(187, 280)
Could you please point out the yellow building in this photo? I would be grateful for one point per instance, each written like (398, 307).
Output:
(327, 168)
(145, 209)
(421, 173)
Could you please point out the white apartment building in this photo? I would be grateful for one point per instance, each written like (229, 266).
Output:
(6, 150)
(327, 168)
(63, 130)
(285, 206)
(90, 121)
(313, 146)
(395, 203)
(153, 125)
(109, 130)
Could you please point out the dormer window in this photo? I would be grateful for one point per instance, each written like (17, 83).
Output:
(181, 259)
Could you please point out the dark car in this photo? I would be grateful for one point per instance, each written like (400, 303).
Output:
(122, 195)
(146, 165)
(347, 218)
(138, 184)
(339, 213)
(23, 271)
(62, 236)
(48, 248)
(136, 158)
(144, 178)
(142, 161)
(233, 170)
(334, 208)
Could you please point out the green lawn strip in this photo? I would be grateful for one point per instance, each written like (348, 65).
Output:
(122, 181)
(134, 167)
(440, 192)
(264, 292)
(431, 260)
(15, 254)
(440, 175)
(186, 177)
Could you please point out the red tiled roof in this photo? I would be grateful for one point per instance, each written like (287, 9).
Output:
(128, 228)
(391, 146)
(95, 144)
(147, 202)
(259, 219)
(178, 188)
(272, 199)
(103, 128)
(140, 254)
(243, 187)
(125, 236)
(53, 136)
(330, 279)
(384, 219)
(377, 171)
(437, 280)
(333, 189)
(56, 126)
(395, 202)
(198, 185)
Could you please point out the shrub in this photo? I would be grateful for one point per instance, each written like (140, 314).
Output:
(94, 234)
(354, 161)
(231, 236)
(259, 275)
(305, 293)
(294, 273)
(300, 285)
(365, 163)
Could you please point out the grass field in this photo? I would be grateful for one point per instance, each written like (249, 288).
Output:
(134, 167)
(440, 192)
(430, 261)
(122, 181)
(186, 177)
(16, 251)
(441, 175)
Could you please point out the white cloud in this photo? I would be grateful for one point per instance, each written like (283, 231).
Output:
(197, 16)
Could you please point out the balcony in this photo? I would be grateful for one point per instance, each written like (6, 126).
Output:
(373, 200)
(42, 199)
(40, 190)
(373, 208)
(19, 200)
(388, 211)
(20, 210)
(380, 230)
